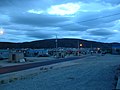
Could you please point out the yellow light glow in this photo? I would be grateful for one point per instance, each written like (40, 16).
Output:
(81, 45)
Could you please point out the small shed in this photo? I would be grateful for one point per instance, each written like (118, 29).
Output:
(16, 57)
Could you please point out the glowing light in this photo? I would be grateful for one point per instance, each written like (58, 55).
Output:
(98, 48)
(64, 9)
(1, 31)
(81, 45)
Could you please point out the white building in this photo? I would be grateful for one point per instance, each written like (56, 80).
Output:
(16, 57)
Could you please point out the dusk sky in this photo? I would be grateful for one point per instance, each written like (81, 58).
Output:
(29, 20)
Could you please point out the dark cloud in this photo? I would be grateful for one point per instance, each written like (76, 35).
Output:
(74, 27)
(39, 35)
(38, 20)
(18, 27)
(5, 3)
(94, 19)
(100, 32)
(96, 38)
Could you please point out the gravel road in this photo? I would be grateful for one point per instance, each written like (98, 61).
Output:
(91, 73)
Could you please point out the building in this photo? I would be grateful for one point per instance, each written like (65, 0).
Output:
(16, 57)
(116, 49)
(36, 52)
(4, 54)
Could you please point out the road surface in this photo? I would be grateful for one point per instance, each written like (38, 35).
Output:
(91, 73)
(9, 69)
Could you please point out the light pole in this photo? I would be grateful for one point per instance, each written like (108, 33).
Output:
(78, 47)
(81, 47)
(91, 51)
(56, 41)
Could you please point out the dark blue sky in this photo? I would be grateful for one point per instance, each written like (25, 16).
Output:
(28, 20)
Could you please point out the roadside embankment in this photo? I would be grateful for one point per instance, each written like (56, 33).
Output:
(24, 74)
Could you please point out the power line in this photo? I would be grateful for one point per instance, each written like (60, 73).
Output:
(94, 19)
(100, 17)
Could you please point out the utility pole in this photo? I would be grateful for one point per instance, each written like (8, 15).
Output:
(56, 41)
(91, 49)
(78, 47)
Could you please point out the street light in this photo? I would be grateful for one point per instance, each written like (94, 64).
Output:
(78, 47)
(81, 45)
(56, 45)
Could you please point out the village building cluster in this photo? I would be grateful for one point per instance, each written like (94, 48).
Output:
(18, 55)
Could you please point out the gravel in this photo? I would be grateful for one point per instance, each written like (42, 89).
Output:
(91, 73)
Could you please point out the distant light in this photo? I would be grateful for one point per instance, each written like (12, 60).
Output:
(98, 48)
(81, 45)
(1, 31)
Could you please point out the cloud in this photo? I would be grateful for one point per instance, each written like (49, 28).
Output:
(64, 9)
(40, 34)
(35, 11)
(113, 2)
(101, 32)
(74, 27)
(105, 18)
(96, 38)
(38, 20)
(4, 19)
